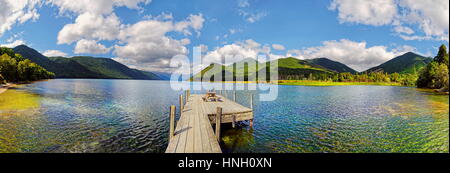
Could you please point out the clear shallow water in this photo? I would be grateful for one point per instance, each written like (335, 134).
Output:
(131, 116)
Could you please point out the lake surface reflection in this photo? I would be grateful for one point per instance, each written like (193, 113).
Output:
(78, 115)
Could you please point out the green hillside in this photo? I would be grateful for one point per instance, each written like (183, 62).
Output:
(409, 63)
(287, 68)
(84, 67)
(332, 65)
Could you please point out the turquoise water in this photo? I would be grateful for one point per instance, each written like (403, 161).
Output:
(69, 115)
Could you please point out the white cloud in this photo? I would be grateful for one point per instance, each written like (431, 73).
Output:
(193, 21)
(90, 26)
(54, 53)
(354, 54)
(234, 31)
(278, 47)
(371, 12)
(17, 12)
(252, 17)
(430, 16)
(147, 46)
(91, 47)
(403, 29)
(249, 14)
(95, 6)
(238, 51)
(12, 44)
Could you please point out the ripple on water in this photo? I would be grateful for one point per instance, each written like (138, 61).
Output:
(131, 116)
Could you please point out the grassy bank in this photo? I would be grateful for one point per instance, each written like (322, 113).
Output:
(317, 83)
(330, 83)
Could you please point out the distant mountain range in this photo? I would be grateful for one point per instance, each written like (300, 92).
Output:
(407, 63)
(84, 67)
(106, 68)
(286, 67)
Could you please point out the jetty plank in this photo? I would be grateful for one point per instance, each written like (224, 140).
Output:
(194, 132)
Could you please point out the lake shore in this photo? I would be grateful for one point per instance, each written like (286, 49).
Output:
(5, 87)
(315, 83)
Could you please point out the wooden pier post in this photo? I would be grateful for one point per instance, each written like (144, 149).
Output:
(218, 122)
(172, 122)
(251, 101)
(251, 107)
(181, 104)
(233, 124)
(234, 95)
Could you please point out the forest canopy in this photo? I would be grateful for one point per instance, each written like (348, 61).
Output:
(14, 68)
(435, 75)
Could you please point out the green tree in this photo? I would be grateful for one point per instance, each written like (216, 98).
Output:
(442, 56)
(8, 68)
(435, 74)
(2, 80)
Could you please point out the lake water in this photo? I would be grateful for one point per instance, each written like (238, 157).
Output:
(66, 115)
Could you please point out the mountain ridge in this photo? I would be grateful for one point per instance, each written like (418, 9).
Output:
(84, 66)
(407, 63)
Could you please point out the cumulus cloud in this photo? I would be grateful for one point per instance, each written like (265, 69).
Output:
(90, 26)
(17, 12)
(147, 45)
(431, 16)
(144, 44)
(12, 44)
(95, 7)
(354, 54)
(91, 47)
(371, 12)
(54, 53)
(239, 51)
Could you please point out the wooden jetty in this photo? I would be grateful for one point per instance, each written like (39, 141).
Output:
(194, 131)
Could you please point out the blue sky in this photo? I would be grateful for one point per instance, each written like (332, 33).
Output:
(145, 34)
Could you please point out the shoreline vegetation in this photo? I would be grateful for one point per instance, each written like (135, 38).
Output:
(15, 69)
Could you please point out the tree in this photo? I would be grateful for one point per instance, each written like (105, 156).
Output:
(442, 56)
(2, 80)
(435, 75)
(14, 68)
(8, 68)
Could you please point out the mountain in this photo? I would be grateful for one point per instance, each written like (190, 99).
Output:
(332, 65)
(37, 58)
(287, 68)
(406, 63)
(84, 66)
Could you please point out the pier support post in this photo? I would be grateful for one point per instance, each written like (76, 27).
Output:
(172, 122)
(233, 124)
(251, 107)
(181, 104)
(218, 122)
(234, 95)
(251, 101)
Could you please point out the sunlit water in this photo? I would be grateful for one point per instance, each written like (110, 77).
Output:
(132, 116)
